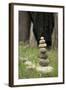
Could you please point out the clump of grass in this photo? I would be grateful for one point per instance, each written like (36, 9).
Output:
(53, 57)
(32, 53)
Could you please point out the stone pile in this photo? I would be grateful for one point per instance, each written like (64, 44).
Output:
(43, 58)
(44, 61)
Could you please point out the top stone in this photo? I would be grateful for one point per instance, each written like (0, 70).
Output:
(42, 38)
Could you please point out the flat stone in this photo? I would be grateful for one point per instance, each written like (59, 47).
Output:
(42, 50)
(42, 41)
(43, 62)
(43, 56)
(42, 45)
(44, 70)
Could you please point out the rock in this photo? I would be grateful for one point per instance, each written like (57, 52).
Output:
(42, 45)
(42, 38)
(42, 41)
(44, 70)
(44, 62)
(42, 50)
(43, 56)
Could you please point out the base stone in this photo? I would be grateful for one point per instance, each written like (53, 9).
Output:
(44, 70)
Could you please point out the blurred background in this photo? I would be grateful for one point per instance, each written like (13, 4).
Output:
(26, 29)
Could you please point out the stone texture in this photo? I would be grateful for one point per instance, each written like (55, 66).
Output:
(42, 50)
(43, 56)
(42, 41)
(42, 38)
(42, 45)
(44, 62)
(44, 70)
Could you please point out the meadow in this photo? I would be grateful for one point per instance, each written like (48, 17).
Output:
(31, 54)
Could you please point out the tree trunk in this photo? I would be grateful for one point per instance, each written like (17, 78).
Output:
(24, 26)
(55, 33)
(32, 40)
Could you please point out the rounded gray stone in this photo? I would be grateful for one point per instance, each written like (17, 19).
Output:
(44, 56)
(42, 45)
(42, 41)
(42, 50)
(44, 62)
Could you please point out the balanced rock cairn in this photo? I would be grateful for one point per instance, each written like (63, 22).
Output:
(43, 53)
(43, 58)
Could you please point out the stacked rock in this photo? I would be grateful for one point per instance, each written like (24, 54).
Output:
(43, 53)
(43, 66)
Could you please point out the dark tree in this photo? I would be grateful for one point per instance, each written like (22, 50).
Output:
(55, 32)
(43, 24)
(24, 26)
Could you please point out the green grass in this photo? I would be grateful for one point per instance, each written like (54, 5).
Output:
(32, 55)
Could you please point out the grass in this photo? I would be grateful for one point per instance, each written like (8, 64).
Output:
(32, 55)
